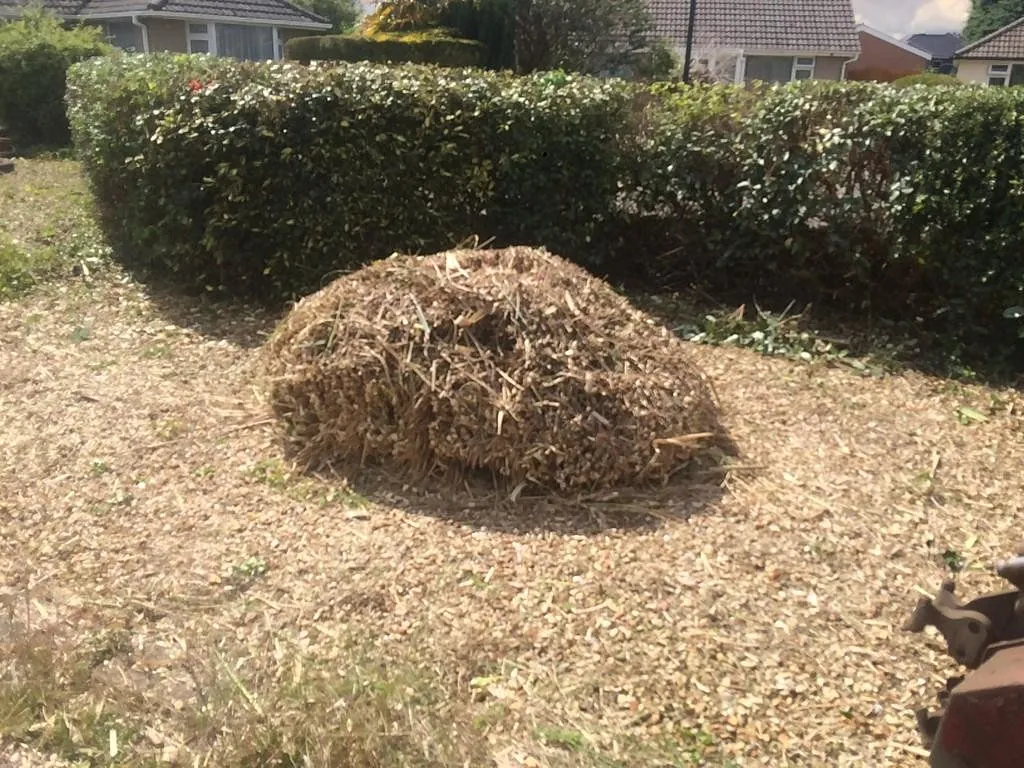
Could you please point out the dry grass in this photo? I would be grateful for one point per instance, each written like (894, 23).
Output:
(46, 225)
(166, 576)
(511, 363)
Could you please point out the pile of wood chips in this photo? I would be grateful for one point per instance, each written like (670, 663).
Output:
(512, 363)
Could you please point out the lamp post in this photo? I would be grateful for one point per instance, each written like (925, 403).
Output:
(689, 41)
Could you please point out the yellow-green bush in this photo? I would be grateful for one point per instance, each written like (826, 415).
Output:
(928, 78)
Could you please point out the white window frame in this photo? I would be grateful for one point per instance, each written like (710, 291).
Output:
(803, 64)
(208, 36)
(999, 72)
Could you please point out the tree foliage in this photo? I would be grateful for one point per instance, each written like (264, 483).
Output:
(589, 36)
(343, 14)
(579, 35)
(989, 15)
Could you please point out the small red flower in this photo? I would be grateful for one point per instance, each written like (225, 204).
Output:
(195, 85)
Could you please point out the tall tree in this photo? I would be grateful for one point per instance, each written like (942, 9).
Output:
(531, 35)
(989, 15)
(342, 14)
(579, 35)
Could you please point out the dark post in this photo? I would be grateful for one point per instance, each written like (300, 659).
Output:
(689, 41)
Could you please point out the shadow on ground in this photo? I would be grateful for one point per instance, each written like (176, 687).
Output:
(478, 504)
(243, 324)
(874, 346)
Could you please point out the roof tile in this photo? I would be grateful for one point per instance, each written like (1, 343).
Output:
(941, 46)
(777, 25)
(1005, 43)
(280, 11)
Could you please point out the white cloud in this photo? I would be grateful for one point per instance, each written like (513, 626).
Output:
(900, 17)
(942, 15)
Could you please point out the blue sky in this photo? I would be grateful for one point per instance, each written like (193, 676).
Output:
(904, 17)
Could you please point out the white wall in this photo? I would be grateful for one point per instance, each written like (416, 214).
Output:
(974, 70)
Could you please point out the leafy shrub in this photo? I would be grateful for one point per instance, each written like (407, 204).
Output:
(415, 48)
(881, 75)
(35, 52)
(903, 204)
(267, 178)
(928, 78)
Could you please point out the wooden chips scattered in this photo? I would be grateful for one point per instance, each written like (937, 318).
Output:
(513, 363)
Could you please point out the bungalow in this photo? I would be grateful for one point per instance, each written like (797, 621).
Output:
(767, 40)
(996, 59)
(242, 29)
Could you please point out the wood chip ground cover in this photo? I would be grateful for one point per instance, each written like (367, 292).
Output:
(147, 514)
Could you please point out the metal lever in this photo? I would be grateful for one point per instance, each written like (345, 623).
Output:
(1012, 570)
(967, 633)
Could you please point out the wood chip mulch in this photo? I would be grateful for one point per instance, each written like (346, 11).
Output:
(136, 467)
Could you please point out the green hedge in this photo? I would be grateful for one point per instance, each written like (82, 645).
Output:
(929, 78)
(35, 52)
(899, 204)
(267, 179)
(390, 48)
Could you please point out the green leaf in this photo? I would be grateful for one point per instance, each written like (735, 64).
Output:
(967, 415)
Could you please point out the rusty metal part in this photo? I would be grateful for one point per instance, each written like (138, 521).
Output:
(983, 725)
(969, 629)
(1012, 570)
(980, 719)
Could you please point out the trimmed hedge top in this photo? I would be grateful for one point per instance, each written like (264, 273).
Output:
(415, 48)
(269, 179)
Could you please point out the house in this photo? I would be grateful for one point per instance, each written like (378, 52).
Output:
(942, 47)
(768, 40)
(242, 29)
(884, 58)
(996, 59)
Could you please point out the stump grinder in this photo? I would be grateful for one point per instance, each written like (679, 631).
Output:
(980, 720)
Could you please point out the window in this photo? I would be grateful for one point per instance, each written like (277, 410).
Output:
(199, 38)
(1006, 74)
(243, 41)
(121, 34)
(239, 41)
(769, 69)
(803, 68)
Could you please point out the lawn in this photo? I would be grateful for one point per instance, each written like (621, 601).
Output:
(172, 590)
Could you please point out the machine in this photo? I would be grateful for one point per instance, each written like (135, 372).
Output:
(980, 719)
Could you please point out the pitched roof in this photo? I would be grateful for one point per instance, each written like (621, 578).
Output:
(890, 40)
(1005, 43)
(941, 46)
(798, 26)
(280, 11)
